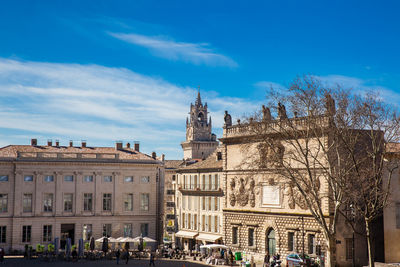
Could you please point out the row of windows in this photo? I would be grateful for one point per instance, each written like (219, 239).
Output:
(206, 203)
(70, 178)
(47, 232)
(270, 239)
(208, 182)
(209, 223)
(48, 202)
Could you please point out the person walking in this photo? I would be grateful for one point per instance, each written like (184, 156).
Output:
(152, 260)
(2, 253)
(127, 256)
(266, 259)
(117, 255)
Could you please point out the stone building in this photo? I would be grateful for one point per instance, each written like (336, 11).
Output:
(49, 191)
(263, 213)
(199, 202)
(392, 211)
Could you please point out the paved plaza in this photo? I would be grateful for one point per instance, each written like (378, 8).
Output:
(98, 263)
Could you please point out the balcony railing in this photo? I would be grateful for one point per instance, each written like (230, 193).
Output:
(203, 187)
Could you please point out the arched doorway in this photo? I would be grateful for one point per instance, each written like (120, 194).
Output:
(271, 242)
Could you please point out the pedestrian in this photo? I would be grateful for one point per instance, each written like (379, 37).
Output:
(2, 253)
(127, 256)
(151, 259)
(231, 257)
(117, 255)
(266, 259)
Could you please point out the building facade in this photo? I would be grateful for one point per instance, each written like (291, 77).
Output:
(199, 202)
(76, 192)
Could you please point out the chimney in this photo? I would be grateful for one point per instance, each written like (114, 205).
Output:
(136, 146)
(34, 142)
(49, 142)
(128, 145)
(83, 143)
(71, 144)
(154, 155)
(118, 145)
(162, 157)
(57, 143)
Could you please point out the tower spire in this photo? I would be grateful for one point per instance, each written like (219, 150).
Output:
(198, 100)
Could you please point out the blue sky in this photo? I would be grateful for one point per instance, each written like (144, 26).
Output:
(127, 70)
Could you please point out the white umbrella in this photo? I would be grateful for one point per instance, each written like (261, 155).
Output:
(145, 239)
(110, 239)
(126, 239)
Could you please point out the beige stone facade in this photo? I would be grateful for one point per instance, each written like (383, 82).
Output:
(199, 203)
(392, 212)
(77, 192)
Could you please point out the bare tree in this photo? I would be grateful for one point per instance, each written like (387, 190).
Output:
(316, 144)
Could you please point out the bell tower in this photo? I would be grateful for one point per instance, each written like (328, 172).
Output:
(200, 142)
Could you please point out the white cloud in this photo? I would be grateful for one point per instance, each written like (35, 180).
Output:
(196, 53)
(100, 104)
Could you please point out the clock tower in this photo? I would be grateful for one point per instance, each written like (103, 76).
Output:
(200, 142)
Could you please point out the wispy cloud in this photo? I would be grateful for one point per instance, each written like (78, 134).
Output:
(196, 53)
(100, 104)
(358, 85)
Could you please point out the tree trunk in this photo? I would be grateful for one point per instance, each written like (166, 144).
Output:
(371, 262)
(330, 258)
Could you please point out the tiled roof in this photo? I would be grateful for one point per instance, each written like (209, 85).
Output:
(173, 164)
(12, 151)
(210, 162)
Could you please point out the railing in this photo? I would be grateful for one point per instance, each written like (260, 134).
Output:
(275, 125)
(62, 155)
(204, 187)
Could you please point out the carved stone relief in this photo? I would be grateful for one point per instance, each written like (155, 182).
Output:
(232, 197)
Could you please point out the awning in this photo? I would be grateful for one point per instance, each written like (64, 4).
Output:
(208, 237)
(186, 234)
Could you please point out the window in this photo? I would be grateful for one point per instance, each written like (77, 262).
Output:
(397, 215)
(106, 202)
(68, 202)
(49, 178)
(195, 221)
(87, 231)
(88, 178)
(107, 230)
(28, 178)
(68, 178)
(219, 155)
(170, 204)
(251, 237)
(291, 241)
(212, 203)
(216, 223)
(107, 179)
(204, 182)
(48, 202)
(189, 226)
(145, 179)
(128, 202)
(311, 244)
(203, 223)
(216, 182)
(203, 203)
(26, 233)
(87, 201)
(47, 233)
(209, 182)
(349, 248)
(3, 234)
(128, 179)
(209, 203)
(209, 223)
(128, 230)
(144, 202)
(3, 203)
(3, 178)
(189, 203)
(27, 203)
(234, 235)
(170, 192)
(144, 229)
